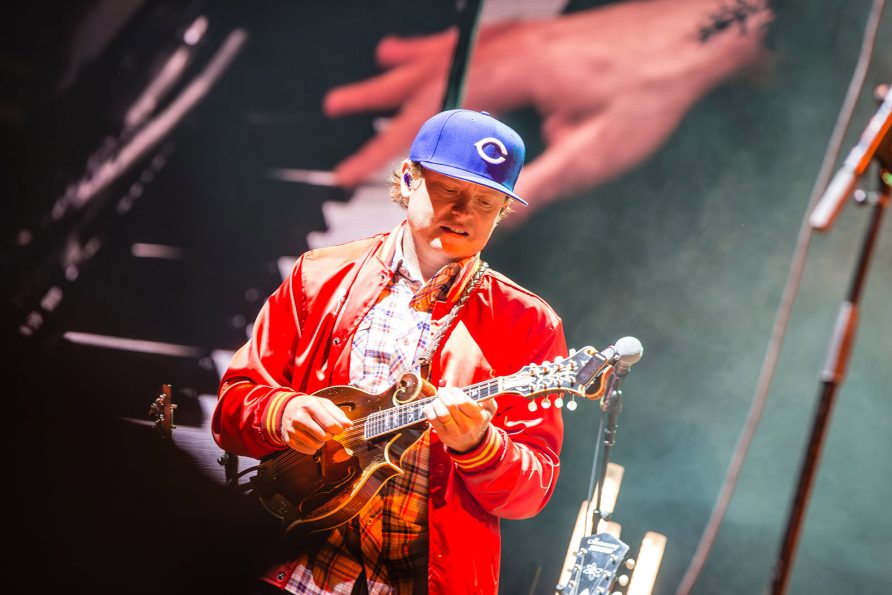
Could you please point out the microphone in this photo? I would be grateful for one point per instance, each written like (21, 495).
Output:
(628, 352)
(843, 183)
(623, 353)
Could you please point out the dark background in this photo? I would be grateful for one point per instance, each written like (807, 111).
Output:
(688, 252)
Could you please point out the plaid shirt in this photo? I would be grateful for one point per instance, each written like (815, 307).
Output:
(391, 530)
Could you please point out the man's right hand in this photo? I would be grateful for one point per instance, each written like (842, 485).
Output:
(309, 421)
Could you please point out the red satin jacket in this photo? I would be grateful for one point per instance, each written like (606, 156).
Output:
(301, 343)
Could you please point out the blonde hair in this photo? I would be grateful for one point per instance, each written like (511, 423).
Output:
(417, 172)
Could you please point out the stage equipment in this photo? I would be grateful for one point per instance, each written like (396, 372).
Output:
(876, 142)
(593, 566)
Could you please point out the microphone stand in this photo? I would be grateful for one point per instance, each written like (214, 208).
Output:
(832, 375)
(611, 405)
(627, 351)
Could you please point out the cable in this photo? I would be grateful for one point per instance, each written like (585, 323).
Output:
(782, 317)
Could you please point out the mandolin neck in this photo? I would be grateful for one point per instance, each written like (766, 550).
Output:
(386, 421)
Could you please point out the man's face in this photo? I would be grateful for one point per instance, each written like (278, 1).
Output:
(451, 219)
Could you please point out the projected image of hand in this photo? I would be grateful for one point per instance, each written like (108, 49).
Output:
(610, 84)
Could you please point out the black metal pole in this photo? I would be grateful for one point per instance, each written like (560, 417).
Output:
(468, 19)
(609, 414)
(596, 468)
(611, 405)
(840, 349)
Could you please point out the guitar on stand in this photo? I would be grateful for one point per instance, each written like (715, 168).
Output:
(596, 560)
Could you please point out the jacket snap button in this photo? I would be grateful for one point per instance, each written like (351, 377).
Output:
(280, 576)
(336, 341)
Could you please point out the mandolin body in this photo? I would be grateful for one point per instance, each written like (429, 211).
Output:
(318, 492)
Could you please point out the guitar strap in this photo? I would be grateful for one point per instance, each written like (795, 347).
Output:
(448, 321)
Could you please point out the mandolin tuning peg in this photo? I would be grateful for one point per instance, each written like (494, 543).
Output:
(572, 352)
(558, 402)
(546, 403)
(572, 405)
(532, 406)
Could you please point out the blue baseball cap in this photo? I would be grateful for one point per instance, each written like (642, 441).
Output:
(471, 146)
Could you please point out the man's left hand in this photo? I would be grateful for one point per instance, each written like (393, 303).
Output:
(459, 421)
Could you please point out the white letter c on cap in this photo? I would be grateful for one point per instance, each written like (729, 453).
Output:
(491, 141)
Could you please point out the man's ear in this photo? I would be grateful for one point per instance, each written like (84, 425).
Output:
(406, 179)
(505, 210)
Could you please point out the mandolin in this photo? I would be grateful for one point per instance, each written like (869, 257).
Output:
(315, 493)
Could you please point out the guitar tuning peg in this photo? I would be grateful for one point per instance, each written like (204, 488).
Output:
(546, 403)
(559, 402)
(572, 405)
(532, 406)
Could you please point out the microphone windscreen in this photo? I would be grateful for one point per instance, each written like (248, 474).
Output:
(629, 350)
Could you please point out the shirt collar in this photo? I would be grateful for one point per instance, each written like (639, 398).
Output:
(397, 263)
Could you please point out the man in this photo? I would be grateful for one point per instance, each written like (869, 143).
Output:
(365, 313)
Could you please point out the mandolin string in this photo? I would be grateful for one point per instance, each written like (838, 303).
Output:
(284, 461)
(422, 402)
(359, 423)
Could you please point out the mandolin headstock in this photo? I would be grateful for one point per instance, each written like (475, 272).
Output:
(582, 373)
